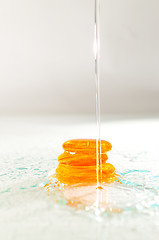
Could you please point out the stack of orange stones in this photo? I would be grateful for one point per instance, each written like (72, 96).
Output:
(78, 162)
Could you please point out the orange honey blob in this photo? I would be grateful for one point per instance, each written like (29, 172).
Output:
(78, 162)
(78, 159)
(80, 145)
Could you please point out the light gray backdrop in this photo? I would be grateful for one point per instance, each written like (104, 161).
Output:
(46, 56)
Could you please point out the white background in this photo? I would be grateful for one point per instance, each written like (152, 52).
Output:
(46, 57)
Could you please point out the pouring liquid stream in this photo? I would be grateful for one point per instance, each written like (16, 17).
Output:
(97, 80)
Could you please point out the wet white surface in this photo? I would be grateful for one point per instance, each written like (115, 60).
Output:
(28, 150)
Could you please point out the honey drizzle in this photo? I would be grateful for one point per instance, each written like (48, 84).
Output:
(97, 79)
(77, 165)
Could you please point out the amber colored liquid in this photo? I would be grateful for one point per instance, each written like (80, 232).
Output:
(78, 162)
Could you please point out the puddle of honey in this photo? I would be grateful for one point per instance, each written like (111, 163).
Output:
(77, 165)
(127, 191)
(75, 178)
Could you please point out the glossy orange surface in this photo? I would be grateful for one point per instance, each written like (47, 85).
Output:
(80, 145)
(78, 162)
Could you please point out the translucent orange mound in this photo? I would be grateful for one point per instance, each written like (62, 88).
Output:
(78, 162)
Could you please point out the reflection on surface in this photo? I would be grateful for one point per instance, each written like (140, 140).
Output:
(134, 191)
